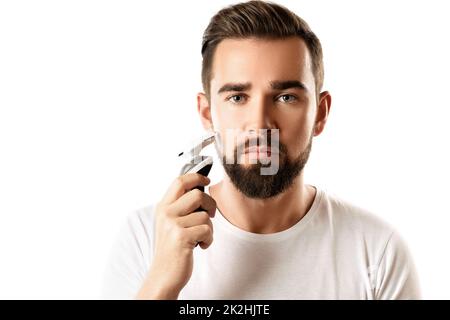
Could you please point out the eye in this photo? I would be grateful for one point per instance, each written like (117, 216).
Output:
(288, 98)
(236, 98)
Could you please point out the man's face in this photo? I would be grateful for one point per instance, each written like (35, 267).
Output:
(263, 84)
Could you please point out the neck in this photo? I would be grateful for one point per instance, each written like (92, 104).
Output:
(263, 215)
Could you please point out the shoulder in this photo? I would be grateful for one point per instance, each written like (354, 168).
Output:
(388, 256)
(130, 255)
(354, 219)
(142, 217)
(355, 227)
(140, 225)
(134, 240)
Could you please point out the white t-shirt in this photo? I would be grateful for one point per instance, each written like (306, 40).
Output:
(336, 251)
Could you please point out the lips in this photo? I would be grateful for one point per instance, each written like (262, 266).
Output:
(261, 149)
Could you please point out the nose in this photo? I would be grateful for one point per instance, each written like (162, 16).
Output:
(260, 116)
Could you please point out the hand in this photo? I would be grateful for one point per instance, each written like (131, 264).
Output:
(178, 229)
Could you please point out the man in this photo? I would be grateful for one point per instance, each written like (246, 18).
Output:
(274, 236)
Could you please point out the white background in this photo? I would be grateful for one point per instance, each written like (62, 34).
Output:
(98, 97)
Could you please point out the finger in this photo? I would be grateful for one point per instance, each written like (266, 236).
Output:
(195, 219)
(182, 184)
(191, 201)
(201, 234)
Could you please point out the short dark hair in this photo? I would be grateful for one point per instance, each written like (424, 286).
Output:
(258, 19)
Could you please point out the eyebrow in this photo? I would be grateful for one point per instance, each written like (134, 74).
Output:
(283, 85)
(276, 85)
(227, 87)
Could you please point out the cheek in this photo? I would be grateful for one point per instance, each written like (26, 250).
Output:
(225, 119)
(223, 124)
(226, 123)
(295, 134)
(220, 118)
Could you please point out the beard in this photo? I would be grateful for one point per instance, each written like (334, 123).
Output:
(249, 180)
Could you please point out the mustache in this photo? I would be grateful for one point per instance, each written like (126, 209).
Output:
(261, 142)
(258, 137)
(264, 141)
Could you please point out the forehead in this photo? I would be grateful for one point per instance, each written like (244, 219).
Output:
(261, 60)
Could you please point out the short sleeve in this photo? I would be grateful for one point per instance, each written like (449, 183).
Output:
(397, 277)
(128, 260)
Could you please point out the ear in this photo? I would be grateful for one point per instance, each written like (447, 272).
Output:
(323, 109)
(204, 111)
